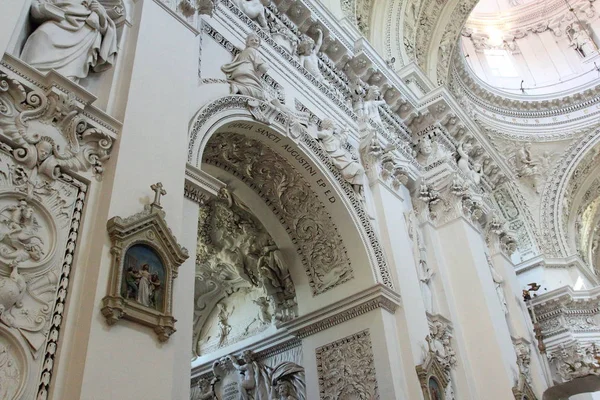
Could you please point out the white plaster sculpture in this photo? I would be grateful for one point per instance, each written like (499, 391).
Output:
(371, 105)
(424, 272)
(463, 161)
(245, 71)
(526, 165)
(255, 9)
(74, 37)
(203, 390)
(429, 151)
(333, 143)
(308, 52)
(224, 327)
(581, 41)
(499, 286)
(260, 382)
(263, 305)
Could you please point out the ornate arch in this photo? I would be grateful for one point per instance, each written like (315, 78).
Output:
(287, 141)
(557, 199)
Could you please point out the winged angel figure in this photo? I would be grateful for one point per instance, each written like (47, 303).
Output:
(50, 134)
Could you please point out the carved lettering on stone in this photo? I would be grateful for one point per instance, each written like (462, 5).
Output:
(346, 369)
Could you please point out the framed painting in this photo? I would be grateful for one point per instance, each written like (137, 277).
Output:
(145, 260)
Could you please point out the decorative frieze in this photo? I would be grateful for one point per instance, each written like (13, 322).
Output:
(344, 363)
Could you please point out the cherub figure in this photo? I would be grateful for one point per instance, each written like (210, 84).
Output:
(308, 51)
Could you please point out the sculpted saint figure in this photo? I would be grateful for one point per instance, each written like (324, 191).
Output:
(371, 104)
(463, 161)
(74, 37)
(245, 71)
(308, 51)
(333, 143)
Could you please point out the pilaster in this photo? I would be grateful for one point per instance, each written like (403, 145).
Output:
(455, 211)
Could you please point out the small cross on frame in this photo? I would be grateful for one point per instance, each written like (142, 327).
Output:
(158, 192)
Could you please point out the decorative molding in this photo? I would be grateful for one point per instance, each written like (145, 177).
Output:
(324, 247)
(148, 233)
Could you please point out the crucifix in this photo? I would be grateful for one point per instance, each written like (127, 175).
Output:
(158, 191)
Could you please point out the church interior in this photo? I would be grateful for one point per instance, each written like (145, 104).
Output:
(299, 200)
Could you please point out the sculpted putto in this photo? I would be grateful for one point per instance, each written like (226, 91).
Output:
(333, 143)
(73, 37)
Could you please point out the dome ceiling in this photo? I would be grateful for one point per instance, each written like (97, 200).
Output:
(533, 47)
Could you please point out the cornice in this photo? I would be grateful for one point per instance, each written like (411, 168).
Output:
(376, 297)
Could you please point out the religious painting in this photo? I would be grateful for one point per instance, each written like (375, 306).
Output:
(435, 391)
(145, 261)
(143, 276)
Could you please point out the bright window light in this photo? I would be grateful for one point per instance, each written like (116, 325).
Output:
(500, 63)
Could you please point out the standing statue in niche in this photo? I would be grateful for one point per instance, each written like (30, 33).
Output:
(333, 143)
(245, 71)
(581, 40)
(74, 37)
(308, 50)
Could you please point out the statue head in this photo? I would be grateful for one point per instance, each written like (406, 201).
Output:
(425, 146)
(285, 388)
(373, 93)
(44, 148)
(253, 41)
(306, 46)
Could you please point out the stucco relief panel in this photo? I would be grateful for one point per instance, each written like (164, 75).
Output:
(291, 198)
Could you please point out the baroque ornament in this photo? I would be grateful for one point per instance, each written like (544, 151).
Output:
(145, 259)
(51, 133)
(346, 368)
(236, 257)
(246, 377)
(318, 241)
